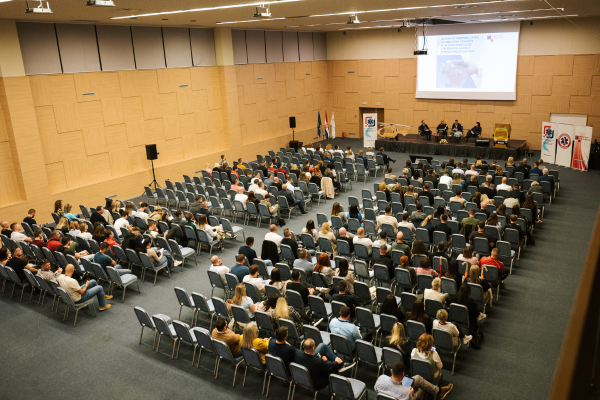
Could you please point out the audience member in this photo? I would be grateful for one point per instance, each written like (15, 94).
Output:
(343, 326)
(392, 386)
(482, 234)
(223, 333)
(46, 273)
(218, 267)
(17, 235)
(250, 340)
(279, 347)
(85, 292)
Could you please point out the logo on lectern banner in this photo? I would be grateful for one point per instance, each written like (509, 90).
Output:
(564, 141)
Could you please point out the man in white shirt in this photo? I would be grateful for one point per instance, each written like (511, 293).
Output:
(446, 180)
(16, 233)
(472, 171)
(409, 225)
(241, 197)
(382, 241)
(361, 239)
(290, 184)
(254, 279)
(274, 237)
(458, 198)
(261, 189)
(504, 185)
(458, 169)
(254, 186)
(387, 218)
(141, 212)
(218, 267)
(122, 222)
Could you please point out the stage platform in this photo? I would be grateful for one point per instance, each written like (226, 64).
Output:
(414, 144)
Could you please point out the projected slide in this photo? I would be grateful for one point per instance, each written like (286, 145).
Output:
(472, 66)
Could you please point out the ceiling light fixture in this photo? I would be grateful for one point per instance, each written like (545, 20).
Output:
(353, 19)
(39, 9)
(249, 20)
(100, 3)
(209, 8)
(262, 12)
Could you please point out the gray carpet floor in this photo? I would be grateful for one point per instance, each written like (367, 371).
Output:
(100, 358)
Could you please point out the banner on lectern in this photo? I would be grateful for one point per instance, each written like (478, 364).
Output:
(549, 131)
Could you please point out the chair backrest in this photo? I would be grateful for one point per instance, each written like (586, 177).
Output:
(222, 350)
(448, 286)
(341, 386)
(276, 367)
(239, 314)
(183, 331)
(481, 246)
(366, 352)
(340, 345)
(408, 300)
(292, 332)
(424, 281)
(382, 274)
(182, 297)
(221, 307)
(252, 358)
(252, 292)
(301, 376)
(414, 330)
(490, 273)
(459, 314)
(365, 318)
(432, 306)
(232, 280)
(422, 368)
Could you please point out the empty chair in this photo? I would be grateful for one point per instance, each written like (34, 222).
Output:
(252, 359)
(369, 354)
(346, 388)
(224, 353)
(202, 304)
(69, 303)
(423, 368)
(122, 280)
(414, 330)
(184, 334)
(276, 368)
(368, 321)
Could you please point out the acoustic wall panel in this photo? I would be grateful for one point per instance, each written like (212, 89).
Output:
(78, 48)
(203, 46)
(255, 47)
(148, 47)
(39, 48)
(274, 46)
(290, 47)
(238, 42)
(319, 46)
(178, 52)
(115, 47)
(305, 46)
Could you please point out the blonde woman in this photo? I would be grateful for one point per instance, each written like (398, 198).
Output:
(410, 191)
(385, 189)
(434, 292)
(116, 206)
(399, 341)
(370, 152)
(84, 233)
(442, 323)
(214, 232)
(350, 154)
(282, 310)
(510, 162)
(499, 171)
(250, 340)
(156, 214)
(326, 233)
(423, 352)
(63, 225)
(129, 208)
(240, 299)
(475, 276)
(68, 213)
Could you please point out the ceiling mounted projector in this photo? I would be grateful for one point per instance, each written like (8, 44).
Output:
(262, 12)
(353, 19)
(100, 3)
(39, 9)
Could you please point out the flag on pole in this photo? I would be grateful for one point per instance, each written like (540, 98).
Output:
(319, 124)
(332, 126)
(326, 126)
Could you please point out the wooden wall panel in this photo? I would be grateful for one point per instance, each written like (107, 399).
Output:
(45, 119)
(90, 114)
(133, 110)
(112, 110)
(67, 117)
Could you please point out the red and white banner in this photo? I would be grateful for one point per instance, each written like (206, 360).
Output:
(581, 147)
(564, 144)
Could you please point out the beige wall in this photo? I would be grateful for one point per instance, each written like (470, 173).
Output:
(544, 37)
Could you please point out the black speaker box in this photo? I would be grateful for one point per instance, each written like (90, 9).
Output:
(293, 122)
(151, 153)
(482, 142)
(294, 144)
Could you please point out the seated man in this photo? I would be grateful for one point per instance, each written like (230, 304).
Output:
(458, 197)
(457, 130)
(504, 185)
(17, 235)
(514, 225)
(239, 269)
(382, 242)
(390, 175)
(361, 239)
(303, 263)
(221, 332)
(481, 233)
(249, 252)
(418, 216)
(292, 202)
(218, 267)
(288, 240)
(494, 261)
(518, 193)
(320, 362)
(18, 262)
(97, 216)
(387, 218)
(400, 245)
(305, 289)
(349, 300)
(424, 130)
(474, 132)
(343, 326)
(46, 273)
(85, 292)
(343, 235)
(274, 237)
(254, 279)
(105, 261)
(279, 347)
(385, 258)
(392, 386)
(409, 225)
(142, 212)
(68, 247)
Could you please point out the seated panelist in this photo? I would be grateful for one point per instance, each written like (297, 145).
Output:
(474, 132)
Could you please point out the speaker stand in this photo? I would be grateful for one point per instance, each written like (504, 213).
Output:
(153, 178)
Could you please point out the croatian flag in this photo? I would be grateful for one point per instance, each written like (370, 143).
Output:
(319, 124)
(332, 126)
(326, 127)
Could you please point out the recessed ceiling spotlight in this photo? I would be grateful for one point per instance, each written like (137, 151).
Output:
(193, 20)
(262, 12)
(128, 10)
(100, 3)
(353, 19)
(39, 9)
(165, 19)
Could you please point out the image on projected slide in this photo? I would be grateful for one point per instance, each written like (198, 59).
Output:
(459, 61)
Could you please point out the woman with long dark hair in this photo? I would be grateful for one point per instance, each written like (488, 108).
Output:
(418, 314)
(464, 298)
(353, 213)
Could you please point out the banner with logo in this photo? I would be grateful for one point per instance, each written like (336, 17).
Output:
(549, 134)
(564, 145)
(581, 147)
(369, 129)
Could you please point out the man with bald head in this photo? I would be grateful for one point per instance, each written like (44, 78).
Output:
(400, 245)
(361, 239)
(320, 362)
(343, 235)
(83, 293)
(218, 267)
(504, 185)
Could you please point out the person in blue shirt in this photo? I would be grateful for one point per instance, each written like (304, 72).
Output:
(474, 132)
(343, 326)
(105, 261)
(239, 269)
(279, 347)
(536, 169)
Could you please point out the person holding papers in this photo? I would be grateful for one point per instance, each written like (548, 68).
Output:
(424, 130)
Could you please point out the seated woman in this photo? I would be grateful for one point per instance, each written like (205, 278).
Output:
(159, 257)
(337, 211)
(434, 293)
(110, 239)
(442, 323)
(474, 275)
(405, 263)
(106, 213)
(493, 221)
(99, 234)
(269, 304)
(58, 208)
(361, 157)
(353, 213)
(467, 255)
(391, 307)
(419, 249)
(418, 314)
(398, 189)
(252, 199)
(74, 229)
(276, 280)
(476, 199)
(189, 220)
(439, 212)
(240, 299)
(464, 298)
(385, 189)
(531, 204)
(212, 232)
(428, 224)
(316, 176)
(410, 191)
(324, 266)
(343, 271)
(68, 213)
(282, 310)
(424, 352)
(452, 273)
(398, 341)
(250, 340)
(326, 233)
(273, 209)
(63, 225)
(501, 210)
(417, 176)
(458, 180)
(310, 229)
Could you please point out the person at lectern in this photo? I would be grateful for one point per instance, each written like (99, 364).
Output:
(424, 130)
(474, 132)
(457, 130)
(442, 130)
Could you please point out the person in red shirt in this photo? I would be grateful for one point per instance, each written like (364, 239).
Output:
(425, 268)
(38, 239)
(54, 241)
(494, 261)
